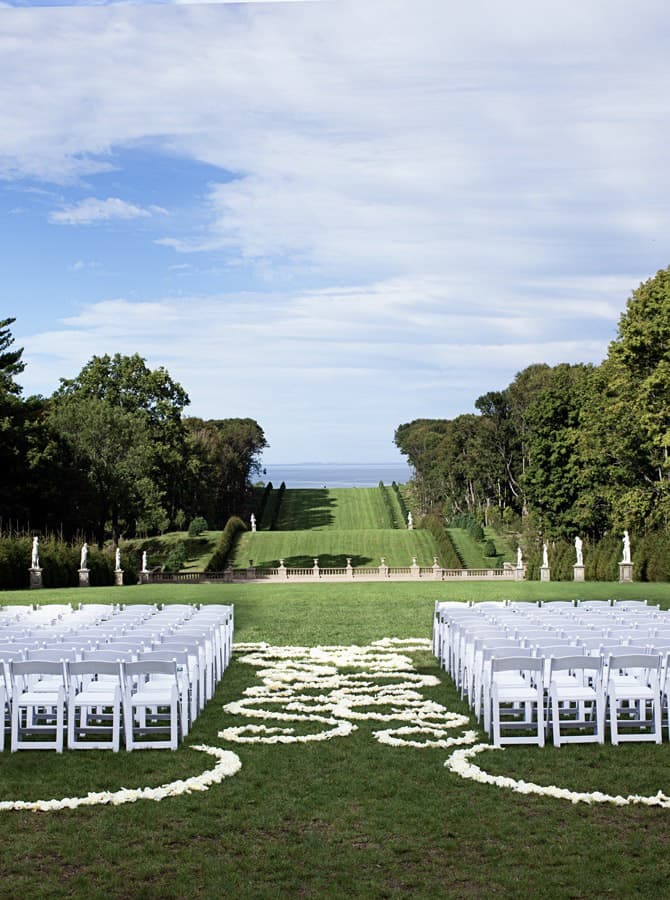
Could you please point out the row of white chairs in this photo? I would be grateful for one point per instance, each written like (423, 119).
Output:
(493, 650)
(197, 641)
(89, 701)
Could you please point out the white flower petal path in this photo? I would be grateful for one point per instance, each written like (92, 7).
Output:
(337, 686)
(459, 763)
(228, 764)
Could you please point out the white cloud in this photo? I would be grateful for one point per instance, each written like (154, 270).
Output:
(92, 210)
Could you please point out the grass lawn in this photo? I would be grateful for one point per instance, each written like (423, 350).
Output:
(198, 549)
(344, 818)
(365, 547)
(343, 509)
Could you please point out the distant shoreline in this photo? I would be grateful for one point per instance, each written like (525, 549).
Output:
(334, 475)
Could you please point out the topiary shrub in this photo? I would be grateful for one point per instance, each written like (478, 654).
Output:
(490, 548)
(197, 526)
(234, 527)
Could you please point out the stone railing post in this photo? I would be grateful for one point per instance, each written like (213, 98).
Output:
(228, 575)
(251, 569)
(437, 571)
(383, 568)
(416, 571)
(315, 569)
(350, 570)
(282, 571)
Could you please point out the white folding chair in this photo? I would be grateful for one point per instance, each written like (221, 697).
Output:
(634, 697)
(187, 677)
(94, 705)
(517, 700)
(577, 701)
(150, 709)
(38, 705)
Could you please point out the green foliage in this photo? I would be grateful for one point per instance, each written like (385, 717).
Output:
(447, 554)
(401, 502)
(234, 527)
(276, 506)
(489, 548)
(176, 557)
(197, 526)
(389, 508)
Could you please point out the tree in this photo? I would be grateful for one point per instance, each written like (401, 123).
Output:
(112, 449)
(126, 382)
(224, 454)
(11, 363)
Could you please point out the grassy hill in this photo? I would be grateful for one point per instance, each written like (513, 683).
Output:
(332, 547)
(340, 509)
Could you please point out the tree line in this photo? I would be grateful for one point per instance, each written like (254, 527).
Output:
(565, 449)
(110, 453)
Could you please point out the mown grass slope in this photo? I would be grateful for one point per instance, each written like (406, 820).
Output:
(365, 547)
(343, 509)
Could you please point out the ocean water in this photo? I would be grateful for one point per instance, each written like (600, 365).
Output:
(335, 475)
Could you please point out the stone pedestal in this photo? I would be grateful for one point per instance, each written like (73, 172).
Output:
(437, 571)
(545, 573)
(383, 568)
(350, 568)
(118, 577)
(144, 577)
(625, 572)
(35, 577)
(415, 570)
(84, 578)
(519, 573)
(315, 569)
(578, 573)
(228, 575)
(251, 569)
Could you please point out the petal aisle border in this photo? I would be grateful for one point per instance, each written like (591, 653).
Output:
(459, 763)
(228, 764)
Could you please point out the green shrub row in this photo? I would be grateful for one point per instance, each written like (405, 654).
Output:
(391, 518)
(234, 527)
(59, 562)
(274, 506)
(470, 524)
(650, 554)
(260, 512)
(401, 501)
(445, 547)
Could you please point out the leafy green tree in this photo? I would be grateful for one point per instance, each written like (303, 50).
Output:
(113, 450)
(224, 455)
(127, 383)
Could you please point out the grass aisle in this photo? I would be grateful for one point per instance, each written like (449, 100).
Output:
(345, 818)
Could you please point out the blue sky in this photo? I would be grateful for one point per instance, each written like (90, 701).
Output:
(337, 216)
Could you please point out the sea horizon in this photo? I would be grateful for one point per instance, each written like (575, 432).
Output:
(334, 475)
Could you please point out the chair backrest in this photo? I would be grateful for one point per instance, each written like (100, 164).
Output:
(52, 655)
(517, 663)
(109, 655)
(93, 667)
(572, 663)
(148, 666)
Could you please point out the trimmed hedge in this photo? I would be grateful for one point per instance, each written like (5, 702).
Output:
(234, 527)
(390, 513)
(59, 562)
(445, 547)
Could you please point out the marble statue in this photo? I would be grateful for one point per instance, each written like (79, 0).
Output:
(545, 557)
(410, 520)
(83, 559)
(578, 549)
(519, 558)
(144, 561)
(35, 561)
(117, 560)
(626, 547)
(253, 522)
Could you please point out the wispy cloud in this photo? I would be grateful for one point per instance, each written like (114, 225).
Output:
(92, 210)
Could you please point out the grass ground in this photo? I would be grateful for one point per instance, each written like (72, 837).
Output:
(364, 547)
(343, 509)
(344, 818)
(198, 549)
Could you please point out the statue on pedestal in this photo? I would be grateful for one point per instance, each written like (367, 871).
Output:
(578, 550)
(545, 557)
(626, 547)
(519, 558)
(83, 559)
(253, 522)
(144, 562)
(410, 521)
(35, 560)
(117, 560)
